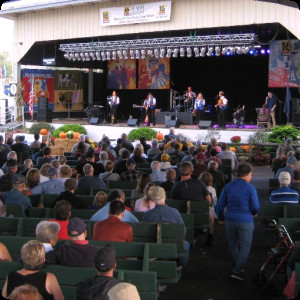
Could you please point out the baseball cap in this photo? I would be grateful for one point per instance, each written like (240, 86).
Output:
(158, 193)
(165, 157)
(11, 163)
(18, 179)
(130, 162)
(284, 178)
(292, 160)
(105, 258)
(52, 171)
(76, 227)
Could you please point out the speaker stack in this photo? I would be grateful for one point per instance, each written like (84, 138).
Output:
(172, 123)
(44, 114)
(133, 122)
(204, 124)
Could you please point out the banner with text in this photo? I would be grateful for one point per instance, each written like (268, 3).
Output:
(280, 63)
(138, 13)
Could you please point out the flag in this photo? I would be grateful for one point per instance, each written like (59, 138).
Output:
(287, 103)
(30, 103)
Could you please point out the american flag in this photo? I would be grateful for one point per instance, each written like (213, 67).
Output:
(31, 97)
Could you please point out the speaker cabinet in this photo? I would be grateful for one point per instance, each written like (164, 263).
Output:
(132, 122)
(172, 123)
(204, 124)
(44, 115)
(94, 121)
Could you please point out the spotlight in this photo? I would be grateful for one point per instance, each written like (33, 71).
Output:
(162, 52)
(66, 56)
(98, 55)
(131, 53)
(189, 52)
(263, 51)
(120, 55)
(72, 56)
(202, 52)
(150, 52)
(251, 52)
(175, 52)
(87, 57)
(137, 54)
(218, 51)
(196, 51)
(210, 51)
(268, 51)
(239, 50)
(182, 52)
(125, 54)
(169, 52)
(77, 56)
(92, 56)
(245, 50)
(103, 55)
(82, 56)
(224, 50)
(108, 54)
(143, 54)
(156, 53)
(114, 55)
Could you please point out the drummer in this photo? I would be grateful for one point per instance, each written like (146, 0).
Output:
(189, 99)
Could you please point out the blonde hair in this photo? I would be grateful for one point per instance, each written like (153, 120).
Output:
(44, 169)
(100, 199)
(33, 255)
(65, 171)
(33, 177)
(25, 292)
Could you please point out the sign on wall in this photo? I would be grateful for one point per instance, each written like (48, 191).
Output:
(280, 63)
(138, 13)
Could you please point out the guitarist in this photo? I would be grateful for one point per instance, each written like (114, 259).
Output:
(150, 105)
(113, 104)
(221, 110)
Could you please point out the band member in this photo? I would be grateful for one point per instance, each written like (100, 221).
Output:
(113, 104)
(199, 107)
(150, 104)
(271, 105)
(221, 110)
(189, 98)
(239, 116)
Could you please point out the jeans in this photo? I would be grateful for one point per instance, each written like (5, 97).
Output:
(183, 261)
(239, 237)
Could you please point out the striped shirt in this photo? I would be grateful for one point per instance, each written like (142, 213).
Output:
(284, 195)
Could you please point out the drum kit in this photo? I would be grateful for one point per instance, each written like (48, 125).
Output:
(182, 102)
(95, 111)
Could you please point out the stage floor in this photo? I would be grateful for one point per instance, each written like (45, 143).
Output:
(95, 132)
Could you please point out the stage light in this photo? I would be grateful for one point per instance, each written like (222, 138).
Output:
(245, 50)
(98, 55)
(256, 52)
(232, 50)
(175, 52)
(202, 52)
(218, 51)
(87, 57)
(182, 52)
(82, 56)
(251, 52)
(137, 54)
(156, 53)
(210, 51)
(131, 53)
(108, 55)
(189, 52)
(67, 56)
(143, 54)
(150, 53)
(162, 52)
(114, 55)
(120, 55)
(196, 51)
(103, 55)
(239, 50)
(77, 56)
(125, 54)
(263, 51)
(268, 51)
(92, 56)
(169, 52)
(72, 56)
(224, 50)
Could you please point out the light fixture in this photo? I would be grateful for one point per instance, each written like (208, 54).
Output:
(98, 55)
(87, 57)
(169, 52)
(245, 50)
(156, 53)
(210, 51)
(92, 56)
(239, 50)
(202, 52)
(263, 51)
(120, 55)
(175, 52)
(218, 51)
(162, 52)
(72, 56)
(131, 53)
(196, 52)
(103, 55)
(224, 50)
(67, 56)
(114, 55)
(82, 56)
(150, 52)
(108, 55)
(143, 54)
(137, 54)
(182, 52)
(189, 52)
(125, 54)
(77, 56)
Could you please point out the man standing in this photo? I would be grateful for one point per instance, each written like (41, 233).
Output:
(114, 103)
(189, 98)
(150, 105)
(271, 105)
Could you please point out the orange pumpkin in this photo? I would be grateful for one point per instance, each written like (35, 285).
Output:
(62, 135)
(76, 135)
(159, 136)
(232, 149)
(43, 131)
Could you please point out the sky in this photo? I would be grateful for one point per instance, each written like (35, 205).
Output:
(6, 41)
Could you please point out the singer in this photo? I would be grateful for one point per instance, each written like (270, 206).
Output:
(150, 105)
(221, 107)
(113, 103)
(271, 105)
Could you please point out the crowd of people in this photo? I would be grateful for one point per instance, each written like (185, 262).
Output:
(178, 168)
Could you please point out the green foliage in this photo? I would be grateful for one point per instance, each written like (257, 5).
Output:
(280, 133)
(36, 128)
(259, 137)
(269, 149)
(6, 61)
(69, 127)
(137, 133)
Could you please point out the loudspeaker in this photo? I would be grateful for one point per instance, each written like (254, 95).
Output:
(204, 124)
(296, 119)
(94, 121)
(132, 122)
(44, 115)
(172, 123)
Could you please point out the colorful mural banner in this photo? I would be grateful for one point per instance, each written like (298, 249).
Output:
(138, 13)
(280, 64)
(154, 73)
(68, 91)
(121, 74)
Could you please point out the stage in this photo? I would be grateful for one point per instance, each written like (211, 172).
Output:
(95, 132)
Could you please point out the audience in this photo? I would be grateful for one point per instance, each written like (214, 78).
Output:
(4, 253)
(145, 203)
(47, 233)
(120, 164)
(295, 185)
(90, 159)
(218, 177)
(131, 174)
(227, 154)
(138, 192)
(25, 292)
(32, 178)
(64, 173)
(170, 180)
(44, 172)
(291, 164)
(109, 175)
(99, 201)
(151, 152)
(47, 158)
(157, 175)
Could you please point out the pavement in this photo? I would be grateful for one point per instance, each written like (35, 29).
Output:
(206, 277)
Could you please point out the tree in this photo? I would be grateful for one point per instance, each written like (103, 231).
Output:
(5, 65)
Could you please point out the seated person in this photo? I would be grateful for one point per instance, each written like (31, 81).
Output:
(284, 194)
(145, 203)
(113, 229)
(47, 233)
(138, 192)
(170, 176)
(104, 284)
(157, 175)
(99, 200)
(109, 175)
(33, 258)
(77, 254)
(4, 253)
(263, 114)
(47, 158)
(296, 181)
(239, 116)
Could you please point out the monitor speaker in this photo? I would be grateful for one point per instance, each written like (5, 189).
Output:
(94, 121)
(204, 124)
(132, 122)
(172, 123)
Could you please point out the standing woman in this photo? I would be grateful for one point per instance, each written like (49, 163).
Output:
(237, 206)
(199, 107)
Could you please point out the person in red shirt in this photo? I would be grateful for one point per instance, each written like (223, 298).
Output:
(113, 229)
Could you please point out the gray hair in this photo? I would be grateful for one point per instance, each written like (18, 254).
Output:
(213, 164)
(103, 155)
(155, 165)
(46, 231)
(12, 155)
(88, 169)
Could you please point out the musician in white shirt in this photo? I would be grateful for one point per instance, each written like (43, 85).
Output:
(114, 103)
(150, 105)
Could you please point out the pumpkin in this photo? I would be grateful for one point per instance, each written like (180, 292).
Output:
(44, 131)
(159, 136)
(76, 135)
(62, 135)
(232, 149)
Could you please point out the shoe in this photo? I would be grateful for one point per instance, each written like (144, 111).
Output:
(210, 239)
(237, 277)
